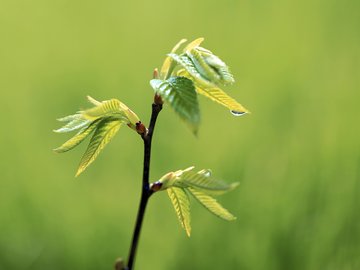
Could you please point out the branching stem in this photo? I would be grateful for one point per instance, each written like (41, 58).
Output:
(145, 190)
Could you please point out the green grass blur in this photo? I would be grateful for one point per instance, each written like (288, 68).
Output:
(297, 156)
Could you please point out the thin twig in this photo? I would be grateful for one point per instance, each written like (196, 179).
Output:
(145, 190)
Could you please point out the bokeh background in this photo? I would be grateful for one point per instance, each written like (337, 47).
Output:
(297, 156)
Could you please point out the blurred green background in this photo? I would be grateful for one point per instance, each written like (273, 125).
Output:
(297, 156)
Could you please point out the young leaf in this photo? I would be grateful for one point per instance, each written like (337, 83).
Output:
(205, 182)
(195, 75)
(181, 203)
(216, 64)
(77, 139)
(168, 64)
(211, 204)
(112, 107)
(200, 185)
(193, 44)
(93, 101)
(69, 118)
(219, 96)
(75, 121)
(203, 67)
(105, 131)
(180, 93)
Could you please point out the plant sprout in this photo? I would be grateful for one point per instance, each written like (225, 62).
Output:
(184, 75)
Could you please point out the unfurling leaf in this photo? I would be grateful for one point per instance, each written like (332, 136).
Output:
(201, 185)
(168, 64)
(215, 68)
(193, 44)
(195, 75)
(180, 94)
(103, 134)
(103, 120)
(208, 72)
(203, 67)
(181, 203)
(111, 108)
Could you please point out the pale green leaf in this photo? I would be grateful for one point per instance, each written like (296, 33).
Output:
(204, 181)
(69, 118)
(180, 94)
(77, 139)
(219, 96)
(93, 101)
(112, 107)
(75, 121)
(168, 64)
(211, 204)
(181, 203)
(105, 131)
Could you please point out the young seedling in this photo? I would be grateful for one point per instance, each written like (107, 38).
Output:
(183, 76)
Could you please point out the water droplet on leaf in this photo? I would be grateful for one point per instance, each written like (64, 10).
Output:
(236, 113)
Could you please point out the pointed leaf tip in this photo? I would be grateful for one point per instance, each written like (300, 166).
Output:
(193, 44)
(78, 138)
(168, 64)
(212, 205)
(93, 101)
(181, 203)
(103, 134)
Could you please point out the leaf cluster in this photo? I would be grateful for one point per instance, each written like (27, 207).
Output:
(201, 185)
(103, 121)
(194, 71)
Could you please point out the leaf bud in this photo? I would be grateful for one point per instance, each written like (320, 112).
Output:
(158, 100)
(140, 128)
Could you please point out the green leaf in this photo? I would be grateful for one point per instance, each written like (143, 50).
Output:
(203, 67)
(217, 65)
(205, 182)
(181, 203)
(105, 131)
(219, 96)
(77, 139)
(180, 93)
(186, 62)
(211, 204)
(106, 108)
(111, 108)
